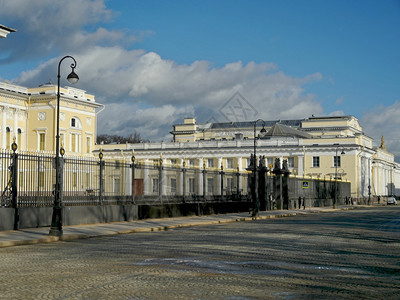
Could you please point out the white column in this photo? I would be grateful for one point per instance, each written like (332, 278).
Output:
(3, 128)
(163, 180)
(219, 163)
(281, 161)
(200, 177)
(240, 166)
(181, 178)
(146, 184)
(300, 165)
(15, 133)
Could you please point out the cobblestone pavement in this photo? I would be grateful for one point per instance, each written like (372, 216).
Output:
(337, 255)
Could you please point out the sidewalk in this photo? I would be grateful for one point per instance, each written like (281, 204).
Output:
(32, 236)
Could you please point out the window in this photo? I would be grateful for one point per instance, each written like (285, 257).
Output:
(173, 162)
(229, 163)
(88, 144)
(41, 179)
(21, 179)
(191, 162)
(155, 185)
(173, 186)
(74, 179)
(117, 186)
(315, 161)
(210, 186)
(42, 141)
(229, 184)
(290, 161)
(76, 123)
(210, 163)
(19, 140)
(117, 165)
(191, 186)
(336, 161)
(73, 142)
(87, 180)
(8, 138)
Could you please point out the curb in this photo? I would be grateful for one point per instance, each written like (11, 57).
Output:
(74, 236)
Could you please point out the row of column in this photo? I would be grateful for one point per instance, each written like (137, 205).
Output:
(163, 184)
(13, 130)
(200, 185)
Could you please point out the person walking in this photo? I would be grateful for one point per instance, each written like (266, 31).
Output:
(304, 203)
(299, 202)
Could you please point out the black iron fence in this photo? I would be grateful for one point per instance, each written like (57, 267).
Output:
(28, 180)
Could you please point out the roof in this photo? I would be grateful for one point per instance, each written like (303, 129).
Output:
(282, 130)
(4, 30)
(250, 124)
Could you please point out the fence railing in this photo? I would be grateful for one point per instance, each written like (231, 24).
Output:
(28, 180)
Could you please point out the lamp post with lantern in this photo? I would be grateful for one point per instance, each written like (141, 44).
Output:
(336, 161)
(256, 201)
(56, 221)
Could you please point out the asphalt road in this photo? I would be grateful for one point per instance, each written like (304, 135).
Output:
(337, 255)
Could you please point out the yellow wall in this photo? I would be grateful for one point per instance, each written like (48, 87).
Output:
(37, 116)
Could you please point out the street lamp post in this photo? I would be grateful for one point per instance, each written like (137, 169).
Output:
(256, 204)
(336, 173)
(56, 220)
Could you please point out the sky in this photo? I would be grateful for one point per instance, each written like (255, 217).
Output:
(153, 63)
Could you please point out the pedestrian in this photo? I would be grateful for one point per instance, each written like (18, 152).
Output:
(304, 203)
(379, 199)
(299, 202)
(347, 200)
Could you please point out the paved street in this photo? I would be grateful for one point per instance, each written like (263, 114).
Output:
(336, 255)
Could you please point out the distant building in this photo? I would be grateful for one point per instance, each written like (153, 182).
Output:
(29, 116)
(4, 31)
(317, 147)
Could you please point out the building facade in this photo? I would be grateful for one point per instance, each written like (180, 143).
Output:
(330, 148)
(29, 116)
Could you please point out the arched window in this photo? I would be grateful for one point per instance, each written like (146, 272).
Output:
(8, 138)
(76, 123)
(19, 137)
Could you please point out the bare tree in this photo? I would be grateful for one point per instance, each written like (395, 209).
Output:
(117, 139)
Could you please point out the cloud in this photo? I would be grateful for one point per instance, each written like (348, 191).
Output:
(114, 75)
(152, 92)
(384, 121)
(152, 123)
(47, 27)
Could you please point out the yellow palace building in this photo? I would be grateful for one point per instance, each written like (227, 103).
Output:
(29, 116)
(331, 148)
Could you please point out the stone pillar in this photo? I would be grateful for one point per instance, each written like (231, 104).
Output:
(15, 133)
(300, 165)
(219, 163)
(200, 178)
(3, 128)
(146, 178)
(181, 177)
(240, 168)
(163, 178)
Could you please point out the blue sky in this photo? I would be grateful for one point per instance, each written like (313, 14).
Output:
(161, 61)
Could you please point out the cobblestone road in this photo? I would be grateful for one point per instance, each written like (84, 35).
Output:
(342, 255)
